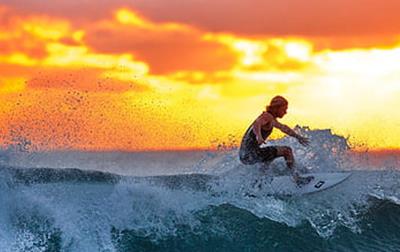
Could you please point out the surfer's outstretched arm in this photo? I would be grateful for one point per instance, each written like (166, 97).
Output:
(288, 131)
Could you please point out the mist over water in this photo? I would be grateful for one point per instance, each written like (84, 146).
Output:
(181, 201)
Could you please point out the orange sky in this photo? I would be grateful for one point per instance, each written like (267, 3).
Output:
(154, 74)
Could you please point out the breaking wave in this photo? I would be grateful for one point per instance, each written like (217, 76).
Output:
(53, 209)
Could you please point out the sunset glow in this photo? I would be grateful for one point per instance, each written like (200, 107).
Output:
(128, 79)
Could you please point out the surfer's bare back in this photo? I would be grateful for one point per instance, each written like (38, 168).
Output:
(250, 151)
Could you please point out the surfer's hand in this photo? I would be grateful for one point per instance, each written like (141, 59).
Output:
(303, 140)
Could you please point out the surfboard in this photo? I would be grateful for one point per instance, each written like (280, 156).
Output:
(285, 185)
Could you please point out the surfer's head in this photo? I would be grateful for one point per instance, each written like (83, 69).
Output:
(278, 106)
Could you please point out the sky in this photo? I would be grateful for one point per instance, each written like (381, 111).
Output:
(177, 75)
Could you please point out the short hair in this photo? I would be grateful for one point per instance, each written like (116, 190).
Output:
(276, 102)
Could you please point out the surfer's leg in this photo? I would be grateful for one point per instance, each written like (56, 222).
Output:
(287, 154)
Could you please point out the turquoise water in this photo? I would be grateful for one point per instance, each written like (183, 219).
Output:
(194, 201)
(74, 210)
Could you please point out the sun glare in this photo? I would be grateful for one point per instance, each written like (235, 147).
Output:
(299, 50)
(126, 16)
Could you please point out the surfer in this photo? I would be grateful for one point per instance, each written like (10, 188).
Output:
(250, 151)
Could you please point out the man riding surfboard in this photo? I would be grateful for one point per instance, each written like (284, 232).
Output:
(250, 151)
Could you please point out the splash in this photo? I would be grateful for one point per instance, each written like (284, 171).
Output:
(326, 211)
(76, 210)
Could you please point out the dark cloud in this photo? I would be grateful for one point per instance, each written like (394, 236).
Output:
(250, 17)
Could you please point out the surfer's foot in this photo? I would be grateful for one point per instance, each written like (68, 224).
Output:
(303, 180)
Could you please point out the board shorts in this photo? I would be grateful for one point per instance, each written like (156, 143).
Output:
(250, 152)
(258, 155)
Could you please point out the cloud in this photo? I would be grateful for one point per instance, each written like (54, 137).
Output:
(46, 52)
(281, 18)
(124, 39)
(16, 36)
(313, 18)
(165, 47)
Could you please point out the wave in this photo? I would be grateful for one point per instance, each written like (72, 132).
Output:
(75, 209)
(48, 209)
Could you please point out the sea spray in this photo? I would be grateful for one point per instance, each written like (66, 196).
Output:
(53, 209)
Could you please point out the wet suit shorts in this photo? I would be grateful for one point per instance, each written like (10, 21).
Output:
(251, 153)
(259, 155)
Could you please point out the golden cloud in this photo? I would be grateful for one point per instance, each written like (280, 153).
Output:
(46, 52)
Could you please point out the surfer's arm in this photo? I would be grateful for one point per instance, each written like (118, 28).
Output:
(290, 132)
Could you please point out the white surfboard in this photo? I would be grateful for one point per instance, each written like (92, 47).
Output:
(284, 185)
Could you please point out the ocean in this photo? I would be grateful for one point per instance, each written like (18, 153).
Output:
(196, 201)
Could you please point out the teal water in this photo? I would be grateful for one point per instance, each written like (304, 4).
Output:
(47, 209)
(194, 201)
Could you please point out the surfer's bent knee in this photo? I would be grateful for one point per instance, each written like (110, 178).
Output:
(284, 151)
